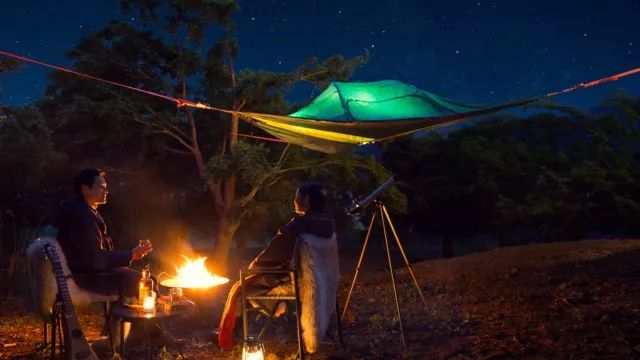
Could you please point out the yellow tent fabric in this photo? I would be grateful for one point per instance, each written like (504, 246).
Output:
(350, 114)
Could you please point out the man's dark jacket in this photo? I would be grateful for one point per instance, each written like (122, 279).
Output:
(82, 234)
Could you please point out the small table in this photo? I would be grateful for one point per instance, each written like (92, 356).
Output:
(136, 315)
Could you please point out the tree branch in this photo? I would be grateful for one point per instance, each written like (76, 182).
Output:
(245, 200)
(283, 156)
(305, 78)
(178, 138)
(216, 190)
(77, 142)
(176, 151)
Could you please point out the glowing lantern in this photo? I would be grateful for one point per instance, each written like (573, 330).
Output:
(252, 349)
(149, 302)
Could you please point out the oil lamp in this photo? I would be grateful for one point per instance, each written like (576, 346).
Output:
(252, 349)
(149, 302)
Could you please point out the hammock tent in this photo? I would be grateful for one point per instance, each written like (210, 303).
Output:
(347, 114)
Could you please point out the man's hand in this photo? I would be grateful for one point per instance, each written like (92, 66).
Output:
(141, 250)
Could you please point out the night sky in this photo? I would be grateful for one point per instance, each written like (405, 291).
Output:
(473, 51)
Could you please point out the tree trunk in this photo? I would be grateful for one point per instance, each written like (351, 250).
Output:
(225, 232)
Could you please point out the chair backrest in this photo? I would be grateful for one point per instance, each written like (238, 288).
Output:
(42, 283)
(319, 275)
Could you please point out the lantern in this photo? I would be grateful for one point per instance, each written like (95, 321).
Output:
(252, 349)
(149, 302)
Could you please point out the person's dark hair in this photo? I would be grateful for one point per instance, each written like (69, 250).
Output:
(317, 195)
(85, 177)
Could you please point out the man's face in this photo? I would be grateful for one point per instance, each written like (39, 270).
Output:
(301, 203)
(97, 193)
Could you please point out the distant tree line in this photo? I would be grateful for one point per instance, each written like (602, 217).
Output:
(555, 175)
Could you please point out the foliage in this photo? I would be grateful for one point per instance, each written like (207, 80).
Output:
(8, 65)
(29, 160)
(549, 176)
(184, 49)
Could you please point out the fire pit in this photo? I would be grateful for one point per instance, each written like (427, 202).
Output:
(193, 275)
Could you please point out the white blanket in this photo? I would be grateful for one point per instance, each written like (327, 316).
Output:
(42, 283)
(319, 277)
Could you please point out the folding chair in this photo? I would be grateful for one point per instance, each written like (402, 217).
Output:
(44, 291)
(293, 272)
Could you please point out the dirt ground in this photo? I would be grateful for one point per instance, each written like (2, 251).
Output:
(553, 301)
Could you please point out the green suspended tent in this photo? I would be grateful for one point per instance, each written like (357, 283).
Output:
(348, 114)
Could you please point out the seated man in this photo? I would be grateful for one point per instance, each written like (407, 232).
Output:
(309, 204)
(83, 237)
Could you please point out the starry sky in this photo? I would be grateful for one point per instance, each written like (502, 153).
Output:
(480, 51)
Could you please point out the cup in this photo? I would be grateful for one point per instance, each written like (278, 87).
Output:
(175, 295)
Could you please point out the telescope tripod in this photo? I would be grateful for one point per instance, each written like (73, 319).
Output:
(381, 211)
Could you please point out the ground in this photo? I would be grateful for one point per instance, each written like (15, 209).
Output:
(560, 300)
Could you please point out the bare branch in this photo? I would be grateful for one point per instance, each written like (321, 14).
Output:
(304, 78)
(176, 151)
(277, 173)
(178, 138)
(67, 146)
(194, 129)
(283, 156)
(245, 200)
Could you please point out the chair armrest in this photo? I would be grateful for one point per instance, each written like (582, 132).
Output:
(268, 271)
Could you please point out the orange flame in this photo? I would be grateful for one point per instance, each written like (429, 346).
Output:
(193, 274)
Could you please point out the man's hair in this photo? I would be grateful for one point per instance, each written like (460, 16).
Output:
(317, 195)
(85, 177)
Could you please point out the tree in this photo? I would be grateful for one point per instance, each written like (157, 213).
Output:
(29, 157)
(168, 54)
(6, 65)
(551, 176)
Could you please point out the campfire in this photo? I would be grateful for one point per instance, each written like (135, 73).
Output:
(194, 275)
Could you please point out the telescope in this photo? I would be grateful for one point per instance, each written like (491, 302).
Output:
(387, 227)
(362, 204)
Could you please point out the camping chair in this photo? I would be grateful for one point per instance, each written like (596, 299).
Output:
(290, 292)
(44, 292)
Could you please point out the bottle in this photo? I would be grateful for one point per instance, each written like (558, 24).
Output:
(144, 284)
